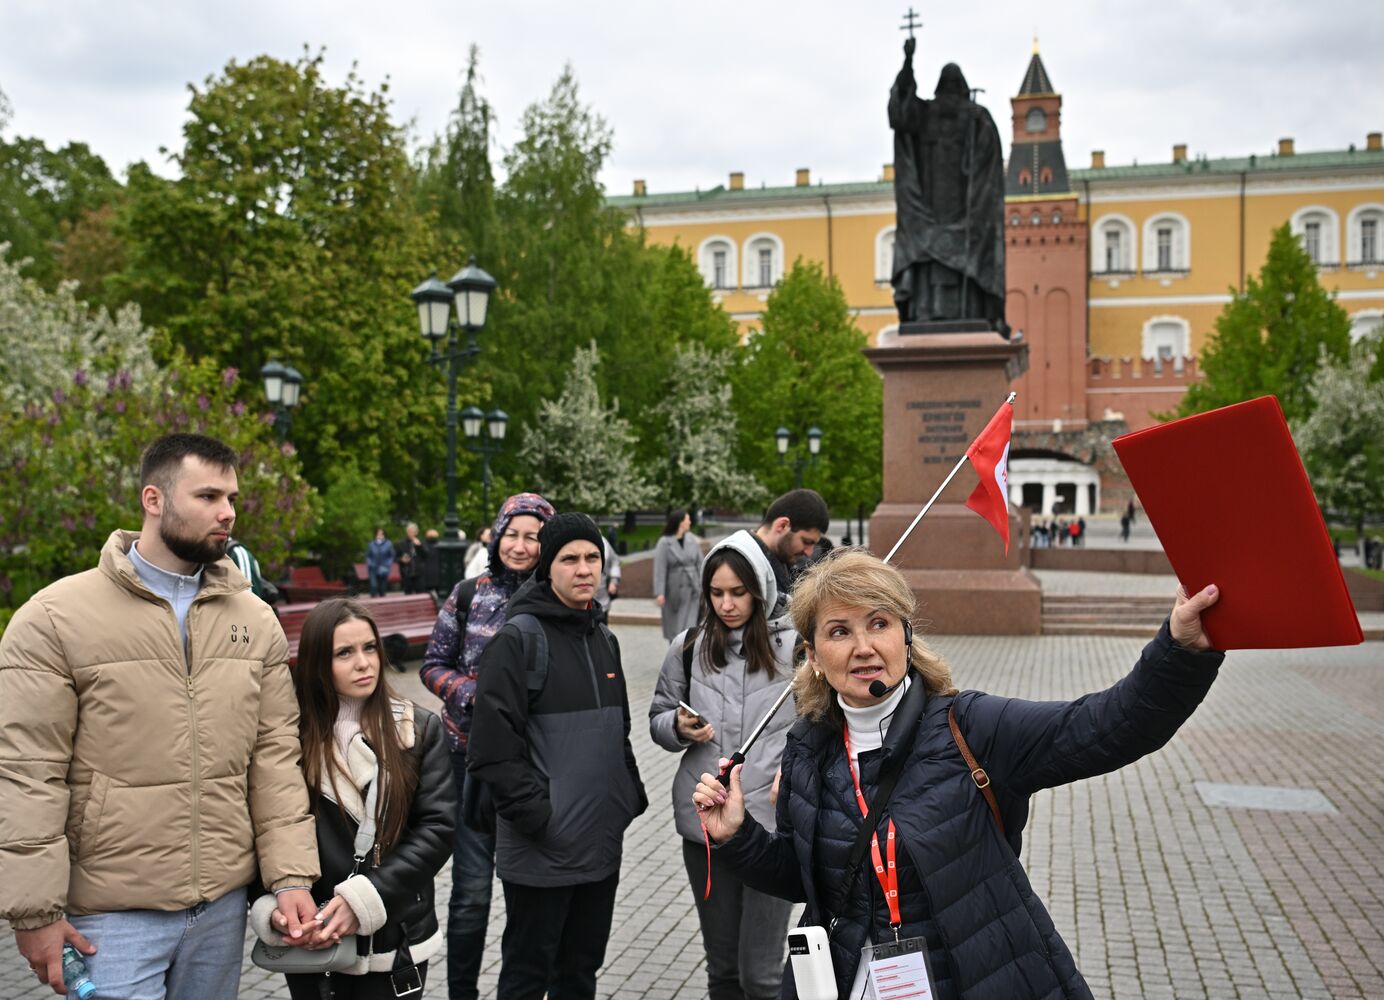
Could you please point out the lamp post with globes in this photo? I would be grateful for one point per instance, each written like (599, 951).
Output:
(468, 292)
(282, 387)
(495, 423)
(783, 437)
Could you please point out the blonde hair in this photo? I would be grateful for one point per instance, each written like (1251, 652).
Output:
(856, 578)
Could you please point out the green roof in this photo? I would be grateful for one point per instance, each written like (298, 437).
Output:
(722, 196)
(1269, 163)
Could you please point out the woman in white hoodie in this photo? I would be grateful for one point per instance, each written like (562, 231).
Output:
(730, 669)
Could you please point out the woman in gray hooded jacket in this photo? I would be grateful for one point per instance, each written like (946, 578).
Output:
(730, 669)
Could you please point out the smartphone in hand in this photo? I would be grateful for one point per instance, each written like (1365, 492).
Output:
(694, 713)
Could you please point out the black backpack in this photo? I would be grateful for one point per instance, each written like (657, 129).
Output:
(477, 803)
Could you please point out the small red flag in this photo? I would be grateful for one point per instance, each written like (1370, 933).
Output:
(989, 454)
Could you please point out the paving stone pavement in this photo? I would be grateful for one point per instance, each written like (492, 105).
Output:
(1158, 894)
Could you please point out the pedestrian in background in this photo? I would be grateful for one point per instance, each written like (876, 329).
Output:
(478, 554)
(411, 560)
(475, 610)
(677, 574)
(379, 560)
(730, 668)
(361, 743)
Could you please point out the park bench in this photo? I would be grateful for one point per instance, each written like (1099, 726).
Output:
(363, 577)
(405, 622)
(308, 585)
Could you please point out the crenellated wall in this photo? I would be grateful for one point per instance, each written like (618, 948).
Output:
(1136, 389)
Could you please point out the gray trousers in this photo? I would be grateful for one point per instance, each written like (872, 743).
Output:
(744, 931)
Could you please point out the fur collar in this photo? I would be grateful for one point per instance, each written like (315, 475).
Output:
(362, 765)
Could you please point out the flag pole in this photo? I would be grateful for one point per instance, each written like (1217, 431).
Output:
(928, 506)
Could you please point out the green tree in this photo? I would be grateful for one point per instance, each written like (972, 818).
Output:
(456, 180)
(1342, 441)
(43, 193)
(1273, 338)
(71, 462)
(698, 466)
(806, 368)
(292, 233)
(46, 336)
(580, 449)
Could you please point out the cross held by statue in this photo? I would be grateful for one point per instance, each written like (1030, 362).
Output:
(910, 22)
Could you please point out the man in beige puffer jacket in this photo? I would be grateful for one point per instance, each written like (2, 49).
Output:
(149, 756)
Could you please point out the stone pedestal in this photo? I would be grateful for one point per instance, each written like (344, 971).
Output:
(940, 389)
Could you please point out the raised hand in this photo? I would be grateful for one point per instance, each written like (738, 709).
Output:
(1185, 621)
(722, 809)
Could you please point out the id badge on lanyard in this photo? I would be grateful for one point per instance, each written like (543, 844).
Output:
(899, 968)
(893, 970)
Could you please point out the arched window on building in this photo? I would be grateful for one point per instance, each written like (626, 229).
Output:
(1056, 217)
(1166, 339)
(1167, 244)
(1112, 249)
(1036, 219)
(1036, 120)
(1025, 178)
(1365, 232)
(716, 258)
(1014, 219)
(888, 337)
(763, 260)
(1365, 322)
(1045, 175)
(884, 255)
(1316, 228)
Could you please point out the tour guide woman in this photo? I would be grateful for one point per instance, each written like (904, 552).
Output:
(959, 882)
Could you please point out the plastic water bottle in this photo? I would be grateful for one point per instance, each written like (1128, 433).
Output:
(74, 973)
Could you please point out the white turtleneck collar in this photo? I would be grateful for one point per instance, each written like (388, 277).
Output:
(869, 725)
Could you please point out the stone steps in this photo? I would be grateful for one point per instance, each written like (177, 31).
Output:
(1103, 614)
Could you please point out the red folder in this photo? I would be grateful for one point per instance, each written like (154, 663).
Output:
(1228, 496)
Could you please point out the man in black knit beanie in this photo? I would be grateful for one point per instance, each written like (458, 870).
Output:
(551, 738)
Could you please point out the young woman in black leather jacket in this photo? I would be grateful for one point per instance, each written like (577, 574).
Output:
(356, 734)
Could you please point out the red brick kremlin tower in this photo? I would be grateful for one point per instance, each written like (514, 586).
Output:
(1045, 262)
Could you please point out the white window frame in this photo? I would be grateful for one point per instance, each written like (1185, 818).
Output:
(752, 246)
(1098, 244)
(1181, 246)
(1356, 236)
(706, 260)
(1365, 321)
(1029, 119)
(1330, 253)
(884, 255)
(1155, 335)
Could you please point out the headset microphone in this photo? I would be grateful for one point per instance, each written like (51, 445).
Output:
(878, 689)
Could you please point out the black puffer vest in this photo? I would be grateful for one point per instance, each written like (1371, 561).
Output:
(961, 885)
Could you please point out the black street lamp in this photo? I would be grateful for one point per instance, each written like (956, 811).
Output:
(782, 438)
(282, 386)
(469, 294)
(495, 422)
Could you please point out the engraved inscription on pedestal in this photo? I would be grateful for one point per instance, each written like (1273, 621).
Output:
(943, 432)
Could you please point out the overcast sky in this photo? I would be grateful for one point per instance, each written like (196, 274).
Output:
(694, 91)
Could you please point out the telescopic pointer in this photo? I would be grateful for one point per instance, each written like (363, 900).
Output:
(739, 756)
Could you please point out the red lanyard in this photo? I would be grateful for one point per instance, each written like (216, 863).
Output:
(888, 875)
